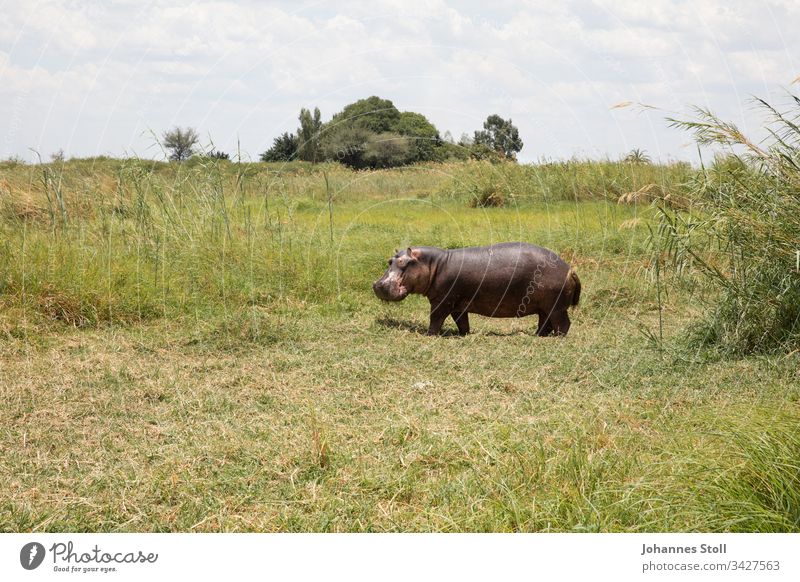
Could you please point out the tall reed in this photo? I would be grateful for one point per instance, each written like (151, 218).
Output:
(738, 239)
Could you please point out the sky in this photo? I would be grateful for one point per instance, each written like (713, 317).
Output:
(107, 78)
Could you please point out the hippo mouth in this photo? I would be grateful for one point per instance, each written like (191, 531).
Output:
(390, 290)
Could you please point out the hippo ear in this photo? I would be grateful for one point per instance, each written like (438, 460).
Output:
(414, 253)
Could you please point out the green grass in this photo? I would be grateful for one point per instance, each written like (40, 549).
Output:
(190, 351)
(740, 237)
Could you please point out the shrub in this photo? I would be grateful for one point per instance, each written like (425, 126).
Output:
(346, 144)
(741, 234)
(487, 196)
(373, 114)
(422, 134)
(284, 149)
(387, 150)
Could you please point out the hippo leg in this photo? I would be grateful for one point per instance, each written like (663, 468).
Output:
(561, 322)
(462, 321)
(545, 325)
(438, 315)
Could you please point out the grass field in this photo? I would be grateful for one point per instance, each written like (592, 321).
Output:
(199, 349)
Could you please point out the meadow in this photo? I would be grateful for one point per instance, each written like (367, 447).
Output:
(196, 347)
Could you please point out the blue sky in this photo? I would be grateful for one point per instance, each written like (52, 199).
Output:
(101, 78)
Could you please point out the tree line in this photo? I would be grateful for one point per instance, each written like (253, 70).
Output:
(370, 133)
(373, 133)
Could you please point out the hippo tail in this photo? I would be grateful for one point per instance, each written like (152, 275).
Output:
(576, 286)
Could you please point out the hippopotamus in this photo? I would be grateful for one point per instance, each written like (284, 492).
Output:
(513, 279)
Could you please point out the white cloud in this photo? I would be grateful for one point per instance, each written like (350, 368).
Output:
(243, 69)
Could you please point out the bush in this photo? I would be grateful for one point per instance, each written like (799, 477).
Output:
(373, 133)
(479, 151)
(483, 184)
(487, 196)
(387, 150)
(284, 149)
(374, 114)
(739, 238)
(217, 155)
(422, 135)
(346, 144)
(447, 151)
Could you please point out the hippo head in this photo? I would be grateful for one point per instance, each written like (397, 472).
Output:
(406, 274)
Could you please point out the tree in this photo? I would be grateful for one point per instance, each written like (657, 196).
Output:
(466, 140)
(423, 135)
(373, 133)
(346, 144)
(637, 156)
(388, 150)
(308, 136)
(284, 149)
(373, 113)
(180, 143)
(451, 151)
(499, 135)
(218, 155)
(481, 151)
